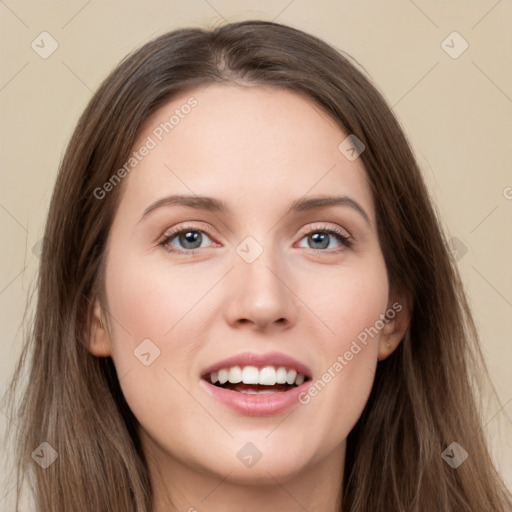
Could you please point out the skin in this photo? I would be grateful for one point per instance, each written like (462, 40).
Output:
(258, 149)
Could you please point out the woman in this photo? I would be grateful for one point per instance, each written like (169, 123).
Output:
(245, 298)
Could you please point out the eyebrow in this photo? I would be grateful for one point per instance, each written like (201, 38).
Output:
(315, 203)
(218, 206)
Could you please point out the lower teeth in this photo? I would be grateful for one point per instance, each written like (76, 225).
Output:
(252, 392)
(254, 389)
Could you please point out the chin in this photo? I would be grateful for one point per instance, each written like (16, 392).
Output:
(255, 461)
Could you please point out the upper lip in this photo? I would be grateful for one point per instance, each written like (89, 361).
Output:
(275, 359)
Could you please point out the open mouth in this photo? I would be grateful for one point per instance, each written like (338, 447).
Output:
(251, 380)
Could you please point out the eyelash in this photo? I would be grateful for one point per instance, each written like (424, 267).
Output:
(342, 238)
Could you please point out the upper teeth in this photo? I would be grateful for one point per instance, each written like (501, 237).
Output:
(267, 376)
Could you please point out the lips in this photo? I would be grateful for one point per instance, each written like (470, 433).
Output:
(257, 384)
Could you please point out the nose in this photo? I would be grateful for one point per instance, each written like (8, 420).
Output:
(260, 295)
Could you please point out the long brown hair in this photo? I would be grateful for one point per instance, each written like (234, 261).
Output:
(422, 398)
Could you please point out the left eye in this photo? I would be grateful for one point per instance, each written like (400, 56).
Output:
(322, 238)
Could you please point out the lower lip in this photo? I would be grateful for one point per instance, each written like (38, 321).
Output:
(266, 404)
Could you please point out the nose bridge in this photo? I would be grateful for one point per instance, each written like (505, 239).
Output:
(260, 294)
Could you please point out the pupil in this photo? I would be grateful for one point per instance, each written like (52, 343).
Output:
(190, 237)
(320, 238)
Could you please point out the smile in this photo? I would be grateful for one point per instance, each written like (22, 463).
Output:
(251, 386)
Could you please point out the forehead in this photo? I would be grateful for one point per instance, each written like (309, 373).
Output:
(258, 145)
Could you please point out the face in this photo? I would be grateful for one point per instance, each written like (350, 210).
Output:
(262, 282)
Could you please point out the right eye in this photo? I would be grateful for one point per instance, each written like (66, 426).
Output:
(186, 240)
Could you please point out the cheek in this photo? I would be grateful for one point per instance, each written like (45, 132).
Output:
(351, 303)
(352, 308)
(156, 326)
(154, 301)
(150, 308)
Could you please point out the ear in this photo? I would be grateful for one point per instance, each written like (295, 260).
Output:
(99, 337)
(398, 319)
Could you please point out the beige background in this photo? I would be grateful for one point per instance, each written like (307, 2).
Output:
(457, 113)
